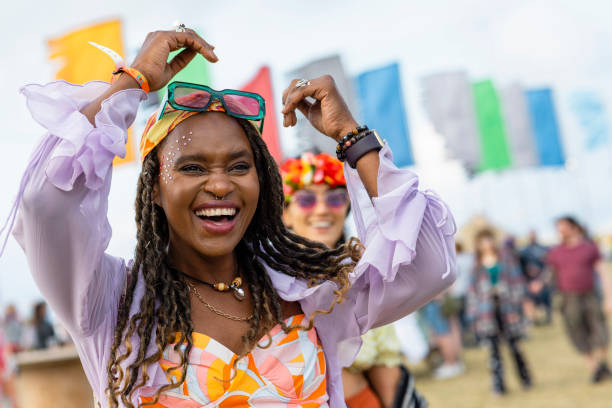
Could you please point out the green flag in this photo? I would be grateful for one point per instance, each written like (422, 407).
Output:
(494, 146)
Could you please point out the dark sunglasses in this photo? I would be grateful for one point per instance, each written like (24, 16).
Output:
(334, 199)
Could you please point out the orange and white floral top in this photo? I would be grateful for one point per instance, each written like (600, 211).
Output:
(290, 372)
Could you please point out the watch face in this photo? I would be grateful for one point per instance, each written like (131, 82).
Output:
(378, 137)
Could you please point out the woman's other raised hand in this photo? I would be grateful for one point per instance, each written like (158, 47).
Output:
(329, 114)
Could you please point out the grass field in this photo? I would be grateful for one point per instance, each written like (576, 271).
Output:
(561, 378)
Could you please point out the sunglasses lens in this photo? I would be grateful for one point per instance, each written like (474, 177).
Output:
(242, 104)
(336, 199)
(305, 200)
(191, 98)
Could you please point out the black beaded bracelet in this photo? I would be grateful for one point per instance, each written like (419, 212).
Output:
(350, 139)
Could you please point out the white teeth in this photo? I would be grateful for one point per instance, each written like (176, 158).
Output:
(214, 212)
(322, 224)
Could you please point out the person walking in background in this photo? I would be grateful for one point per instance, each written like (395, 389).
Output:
(13, 328)
(494, 305)
(43, 329)
(575, 262)
(444, 330)
(533, 265)
(316, 208)
(458, 292)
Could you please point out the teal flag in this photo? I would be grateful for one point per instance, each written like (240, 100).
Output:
(495, 154)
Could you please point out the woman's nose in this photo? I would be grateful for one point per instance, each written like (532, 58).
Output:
(219, 185)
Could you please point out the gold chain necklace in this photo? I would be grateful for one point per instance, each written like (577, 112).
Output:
(214, 309)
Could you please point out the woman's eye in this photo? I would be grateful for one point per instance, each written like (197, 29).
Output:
(191, 168)
(240, 168)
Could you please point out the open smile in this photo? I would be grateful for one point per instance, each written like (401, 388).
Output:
(217, 218)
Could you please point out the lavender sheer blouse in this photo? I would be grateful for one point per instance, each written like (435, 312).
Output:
(62, 226)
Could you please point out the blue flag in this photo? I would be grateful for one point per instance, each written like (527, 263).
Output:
(382, 108)
(545, 127)
(591, 114)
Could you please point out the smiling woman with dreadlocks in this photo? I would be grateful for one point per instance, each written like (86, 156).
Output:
(222, 305)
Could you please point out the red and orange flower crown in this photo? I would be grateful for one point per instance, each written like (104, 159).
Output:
(310, 169)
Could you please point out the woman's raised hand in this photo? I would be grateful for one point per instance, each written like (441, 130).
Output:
(328, 113)
(152, 59)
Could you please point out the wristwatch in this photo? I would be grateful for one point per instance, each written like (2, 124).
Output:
(369, 142)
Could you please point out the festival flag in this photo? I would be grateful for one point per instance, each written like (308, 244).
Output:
(308, 138)
(81, 62)
(518, 126)
(494, 147)
(590, 112)
(382, 108)
(262, 84)
(448, 101)
(546, 130)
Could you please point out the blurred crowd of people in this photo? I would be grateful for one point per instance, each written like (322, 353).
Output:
(17, 334)
(502, 291)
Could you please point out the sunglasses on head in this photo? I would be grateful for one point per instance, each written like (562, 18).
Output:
(198, 98)
(334, 199)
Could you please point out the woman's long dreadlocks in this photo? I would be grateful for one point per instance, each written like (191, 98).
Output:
(165, 309)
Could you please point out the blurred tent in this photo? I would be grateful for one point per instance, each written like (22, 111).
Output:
(467, 233)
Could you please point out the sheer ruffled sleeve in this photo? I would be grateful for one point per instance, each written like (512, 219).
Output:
(409, 258)
(61, 207)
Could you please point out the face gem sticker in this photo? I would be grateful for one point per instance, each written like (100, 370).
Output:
(168, 159)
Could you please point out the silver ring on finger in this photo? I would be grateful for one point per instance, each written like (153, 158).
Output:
(180, 28)
(302, 83)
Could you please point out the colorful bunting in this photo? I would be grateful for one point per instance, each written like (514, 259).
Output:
(382, 108)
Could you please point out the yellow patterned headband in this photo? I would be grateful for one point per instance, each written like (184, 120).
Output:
(166, 118)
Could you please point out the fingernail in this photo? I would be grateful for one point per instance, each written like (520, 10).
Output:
(213, 54)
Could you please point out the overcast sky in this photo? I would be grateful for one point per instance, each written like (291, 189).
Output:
(562, 44)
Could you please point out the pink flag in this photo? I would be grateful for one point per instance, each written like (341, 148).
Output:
(262, 84)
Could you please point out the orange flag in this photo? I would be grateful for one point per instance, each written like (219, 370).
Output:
(262, 84)
(81, 62)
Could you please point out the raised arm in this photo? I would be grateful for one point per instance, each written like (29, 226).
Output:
(61, 220)
(409, 252)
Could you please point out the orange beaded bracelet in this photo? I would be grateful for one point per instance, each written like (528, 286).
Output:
(137, 75)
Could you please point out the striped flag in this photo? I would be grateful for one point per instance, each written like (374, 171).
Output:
(545, 127)
(448, 101)
(262, 84)
(382, 108)
(81, 63)
(494, 146)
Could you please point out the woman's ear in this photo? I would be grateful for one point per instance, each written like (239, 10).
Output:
(156, 195)
(286, 216)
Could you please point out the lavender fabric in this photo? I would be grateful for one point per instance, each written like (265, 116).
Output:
(62, 226)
